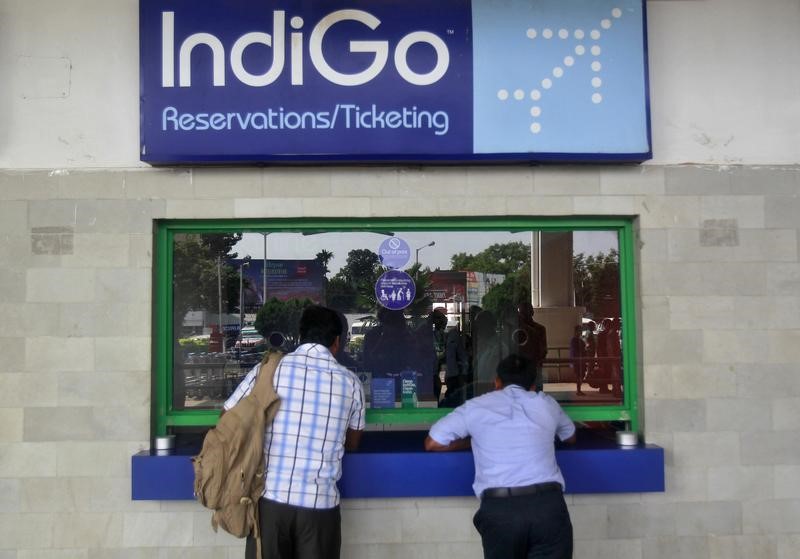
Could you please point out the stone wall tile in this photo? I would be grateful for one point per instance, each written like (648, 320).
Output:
(139, 319)
(636, 521)
(742, 547)
(118, 216)
(60, 285)
(450, 182)
(783, 211)
(659, 212)
(27, 531)
(429, 524)
(10, 499)
(158, 184)
(279, 182)
(471, 206)
(153, 529)
(539, 205)
(768, 448)
(33, 319)
(710, 311)
(13, 352)
(93, 459)
(589, 522)
(13, 217)
(786, 414)
(99, 185)
(122, 354)
(566, 181)
(694, 278)
(783, 313)
(359, 183)
(499, 181)
(55, 495)
(676, 415)
(705, 449)
(671, 347)
(53, 213)
(27, 389)
(771, 245)
(336, 207)
(747, 211)
(21, 460)
(771, 516)
(222, 208)
(683, 485)
(671, 547)
(121, 423)
(13, 285)
(784, 346)
(786, 486)
(122, 285)
(783, 279)
(767, 380)
(268, 207)
(140, 251)
(58, 424)
(52, 554)
(700, 380)
(90, 320)
(104, 389)
(11, 425)
(609, 549)
(641, 179)
(371, 526)
(771, 181)
(87, 530)
(788, 546)
(45, 354)
(605, 205)
(205, 536)
(740, 483)
(407, 206)
(98, 251)
(225, 182)
(35, 185)
(738, 414)
(681, 180)
(652, 245)
(698, 519)
(734, 346)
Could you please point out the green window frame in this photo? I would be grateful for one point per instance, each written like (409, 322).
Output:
(164, 417)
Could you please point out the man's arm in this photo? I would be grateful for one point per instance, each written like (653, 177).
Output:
(458, 444)
(352, 438)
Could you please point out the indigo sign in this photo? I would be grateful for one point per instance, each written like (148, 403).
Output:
(396, 80)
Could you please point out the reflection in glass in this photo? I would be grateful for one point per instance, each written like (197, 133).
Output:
(552, 297)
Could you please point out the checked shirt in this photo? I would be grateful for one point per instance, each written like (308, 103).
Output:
(304, 445)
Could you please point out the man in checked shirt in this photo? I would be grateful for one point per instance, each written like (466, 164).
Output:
(321, 414)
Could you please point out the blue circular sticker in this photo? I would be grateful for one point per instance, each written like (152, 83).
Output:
(394, 252)
(395, 290)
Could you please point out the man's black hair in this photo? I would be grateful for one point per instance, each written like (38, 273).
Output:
(516, 369)
(319, 325)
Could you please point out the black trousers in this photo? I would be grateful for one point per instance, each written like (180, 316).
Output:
(525, 527)
(289, 532)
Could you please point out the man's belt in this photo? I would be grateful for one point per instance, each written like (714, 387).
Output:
(494, 492)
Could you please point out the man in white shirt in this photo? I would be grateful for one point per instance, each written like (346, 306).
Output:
(512, 433)
(321, 414)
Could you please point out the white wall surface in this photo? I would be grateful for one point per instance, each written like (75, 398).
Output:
(725, 82)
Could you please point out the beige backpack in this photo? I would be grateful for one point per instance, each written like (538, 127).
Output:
(229, 471)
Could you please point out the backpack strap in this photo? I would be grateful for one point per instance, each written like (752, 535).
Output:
(264, 391)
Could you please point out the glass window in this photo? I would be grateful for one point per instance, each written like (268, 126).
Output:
(428, 310)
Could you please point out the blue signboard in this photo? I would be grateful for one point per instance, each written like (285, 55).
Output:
(394, 252)
(397, 80)
(395, 290)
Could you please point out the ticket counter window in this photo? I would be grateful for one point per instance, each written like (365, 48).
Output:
(426, 313)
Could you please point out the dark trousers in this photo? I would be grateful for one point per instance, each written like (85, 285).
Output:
(525, 527)
(289, 532)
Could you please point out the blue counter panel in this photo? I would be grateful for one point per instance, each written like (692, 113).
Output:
(394, 465)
